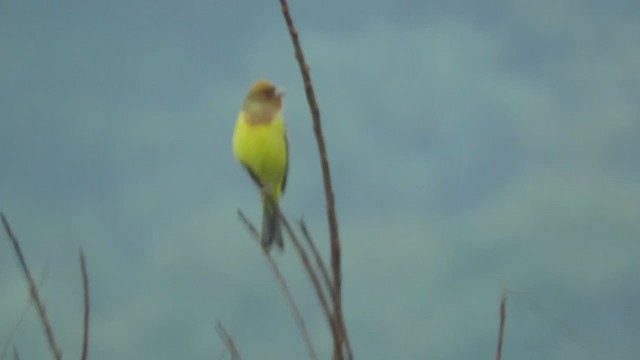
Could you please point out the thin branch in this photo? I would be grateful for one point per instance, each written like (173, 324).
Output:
(85, 290)
(322, 148)
(503, 317)
(14, 330)
(295, 311)
(23, 315)
(326, 175)
(325, 275)
(316, 254)
(33, 289)
(228, 341)
(333, 324)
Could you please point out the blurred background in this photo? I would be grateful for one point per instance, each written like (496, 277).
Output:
(475, 147)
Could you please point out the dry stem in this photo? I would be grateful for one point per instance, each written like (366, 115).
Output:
(316, 254)
(33, 290)
(503, 316)
(85, 291)
(228, 341)
(333, 324)
(328, 187)
(23, 315)
(295, 311)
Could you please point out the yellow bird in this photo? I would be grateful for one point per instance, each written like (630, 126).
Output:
(260, 144)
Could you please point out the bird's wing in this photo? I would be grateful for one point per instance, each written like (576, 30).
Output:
(286, 170)
(253, 175)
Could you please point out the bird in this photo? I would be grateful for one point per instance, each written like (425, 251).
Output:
(260, 145)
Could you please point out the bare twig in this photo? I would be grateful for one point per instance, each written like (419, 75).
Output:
(33, 290)
(295, 311)
(85, 290)
(322, 149)
(14, 330)
(15, 353)
(335, 328)
(503, 317)
(252, 229)
(228, 341)
(326, 175)
(333, 322)
(23, 315)
(325, 274)
(316, 254)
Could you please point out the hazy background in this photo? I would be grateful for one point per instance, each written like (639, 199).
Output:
(475, 146)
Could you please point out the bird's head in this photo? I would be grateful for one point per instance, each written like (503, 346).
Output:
(263, 93)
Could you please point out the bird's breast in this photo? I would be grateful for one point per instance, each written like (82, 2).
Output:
(261, 147)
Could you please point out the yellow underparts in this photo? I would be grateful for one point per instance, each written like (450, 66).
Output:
(262, 148)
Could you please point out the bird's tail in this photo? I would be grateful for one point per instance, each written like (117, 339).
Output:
(271, 228)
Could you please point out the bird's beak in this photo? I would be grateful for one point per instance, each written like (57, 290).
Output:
(280, 91)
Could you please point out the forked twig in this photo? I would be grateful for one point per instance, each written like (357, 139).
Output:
(85, 291)
(33, 290)
(333, 323)
(295, 311)
(228, 341)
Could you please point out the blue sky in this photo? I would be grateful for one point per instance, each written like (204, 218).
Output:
(474, 147)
